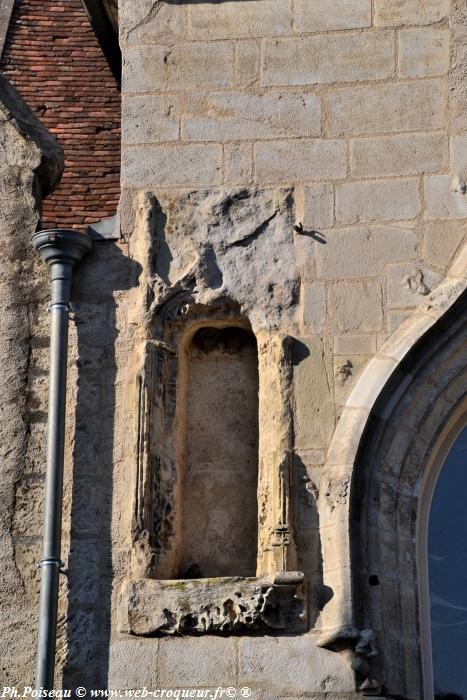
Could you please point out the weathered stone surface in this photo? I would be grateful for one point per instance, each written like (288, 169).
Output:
(198, 662)
(311, 17)
(242, 19)
(440, 242)
(393, 13)
(239, 116)
(354, 344)
(378, 200)
(370, 109)
(298, 666)
(151, 21)
(238, 164)
(133, 664)
(363, 252)
(398, 155)
(211, 605)
(459, 156)
(318, 209)
(287, 161)
(356, 306)
(423, 52)
(328, 59)
(445, 197)
(172, 166)
(409, 284)
(31, 163)
(314, 307)
(151, 118)
(149, 68)
(247, 63)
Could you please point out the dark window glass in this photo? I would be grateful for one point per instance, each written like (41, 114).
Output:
(447, 563)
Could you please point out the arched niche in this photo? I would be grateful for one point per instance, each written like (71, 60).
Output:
(370, 493)
(212, 534)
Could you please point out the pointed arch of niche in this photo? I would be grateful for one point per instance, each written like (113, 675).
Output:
(213, 548)
(369, 501)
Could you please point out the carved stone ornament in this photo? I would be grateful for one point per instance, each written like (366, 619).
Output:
(360, 646)
(214, 605)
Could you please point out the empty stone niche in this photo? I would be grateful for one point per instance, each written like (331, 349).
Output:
(202, 488)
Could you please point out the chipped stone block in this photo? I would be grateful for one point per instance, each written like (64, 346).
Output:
(446, 197)
(394, 13)
(423, 52)
(409, 284)
(377, 201)
(239, 116)
(190, 165)
(238, 164)
(328, 59)
(356, 306)
(208, 21)
(370, 109)
(148, 119)
(318, 206)
(440, 242)
(214, 605)
(178, 67)
(346, 372)
(295, 161)
(310, 16)
(314, 307)
(398, 155)
(363, 252)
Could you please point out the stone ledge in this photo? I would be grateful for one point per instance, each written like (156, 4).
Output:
(214, 605)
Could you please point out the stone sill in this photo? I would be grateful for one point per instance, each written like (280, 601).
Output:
(214, 605)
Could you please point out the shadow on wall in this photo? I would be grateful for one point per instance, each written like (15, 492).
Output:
(90, 562)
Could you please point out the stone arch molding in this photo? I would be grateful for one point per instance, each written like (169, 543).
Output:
(369, 501)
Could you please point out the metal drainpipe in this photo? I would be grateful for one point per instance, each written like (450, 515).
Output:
(62, 250)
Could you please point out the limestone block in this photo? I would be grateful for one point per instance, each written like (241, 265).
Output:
(318, 210)
(445, 197)
(133, 664)
(150, 22)
(210, 605)
(293, 664)
(459, 155)
(440, 242)
(314, 416)
(354, 345)
(148, 119)
(314, 307)
(398, 155)
(239, 19)
(396, 107)
(150, 68)
(238, 163)
(423, 52)
(363, 252)
(290, 161)
(204, 661)
(328, 59)
(394, 13)
(378, 200)
(238, 116)
(310, 16)
(346, 372)
(247, 62)
(356, 306)
(167, 166)
(409, 284)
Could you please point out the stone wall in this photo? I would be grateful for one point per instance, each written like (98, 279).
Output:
(296, 169)
(303, 162)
